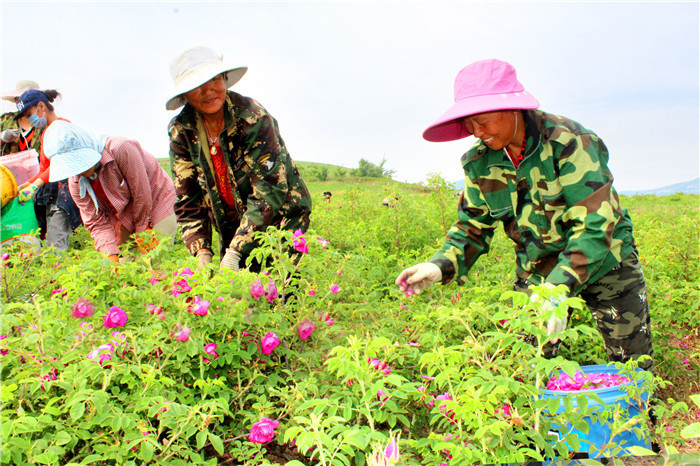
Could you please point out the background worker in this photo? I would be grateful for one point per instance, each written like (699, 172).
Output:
(62, 216)
(119, 188)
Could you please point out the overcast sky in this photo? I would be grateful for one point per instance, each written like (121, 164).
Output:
(351, 80)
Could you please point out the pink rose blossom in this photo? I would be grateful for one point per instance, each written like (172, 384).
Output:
(154, 310)
(181, 286)
(305, 329)
(324, 243)
(83, 308)
(269, 343)
(391, 452)
(271, 291)
(263, 431)
(312, 293)
(210, 349)
(335, 288)
(300, 242)
(186, 272)
(200, 307)
(256, 289)
(182, 333)
(116, 317)
(330, 322)
(382, 397)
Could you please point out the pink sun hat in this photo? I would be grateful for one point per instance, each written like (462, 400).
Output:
(483, 86)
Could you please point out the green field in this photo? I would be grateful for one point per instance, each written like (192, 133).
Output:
(437, 369)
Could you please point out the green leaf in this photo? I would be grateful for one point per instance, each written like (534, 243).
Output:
(63, 437)
(77, 411)
(216, 443)
(691, 431)
(201, 439)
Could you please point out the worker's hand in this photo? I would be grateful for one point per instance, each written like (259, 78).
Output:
(27, 193)
(204, 257)
(555, 324)
(9, 135)
(113, 258)
(419, 277)
(231, 260)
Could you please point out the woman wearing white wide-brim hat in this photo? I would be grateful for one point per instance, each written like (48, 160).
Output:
(232, 169)
(119, 188)
(545, 178)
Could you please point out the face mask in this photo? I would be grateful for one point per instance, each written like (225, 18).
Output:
(37, 122)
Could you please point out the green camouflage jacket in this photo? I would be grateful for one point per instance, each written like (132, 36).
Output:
(267, 187)
(558, 206)
(7, 121)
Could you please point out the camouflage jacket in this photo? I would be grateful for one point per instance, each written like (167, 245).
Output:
(267, 187)
(7, 121)
(559, 207)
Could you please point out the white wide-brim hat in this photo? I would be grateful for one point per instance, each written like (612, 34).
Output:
(196, 66)
(70, 149)
(20, 87)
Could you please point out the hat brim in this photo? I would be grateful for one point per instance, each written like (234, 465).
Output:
(449, 126)
(66, 164)
(13, 95)
(202, 75)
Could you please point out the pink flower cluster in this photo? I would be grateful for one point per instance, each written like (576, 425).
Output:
(199, 307)
(263, 431)
(582, 381)
(182, 286)
(104, 353)
(270, 292)
(379, 365)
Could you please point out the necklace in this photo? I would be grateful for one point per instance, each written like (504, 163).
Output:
(213, 142)
(519, 158)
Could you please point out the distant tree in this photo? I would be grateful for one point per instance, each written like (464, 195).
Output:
(371, 170)
(341, 172)
(322, 174)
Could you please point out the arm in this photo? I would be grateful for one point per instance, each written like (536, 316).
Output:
(129, 157)
(190, 206)
(99, 226)
(469, 237)
(269, 162)
(592, 211)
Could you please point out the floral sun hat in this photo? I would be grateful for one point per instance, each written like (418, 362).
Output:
(483, 86)
(71, 150)
(195, 66)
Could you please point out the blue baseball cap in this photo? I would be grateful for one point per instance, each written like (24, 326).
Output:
(29, 99)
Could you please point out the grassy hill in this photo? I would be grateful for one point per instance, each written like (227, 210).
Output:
(340, 180)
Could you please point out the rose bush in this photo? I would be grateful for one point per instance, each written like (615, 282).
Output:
(201, 369)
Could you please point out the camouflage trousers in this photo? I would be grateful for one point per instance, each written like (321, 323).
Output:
(618, 302)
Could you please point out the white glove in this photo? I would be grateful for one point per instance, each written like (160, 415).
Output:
(231, 260)
(419, 277)
(555, 324)
(204, 258)
(10, 135)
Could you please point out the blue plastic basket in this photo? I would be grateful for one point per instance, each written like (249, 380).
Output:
(600, 433)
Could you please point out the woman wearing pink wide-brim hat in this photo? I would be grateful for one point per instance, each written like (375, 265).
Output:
(545, 178)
